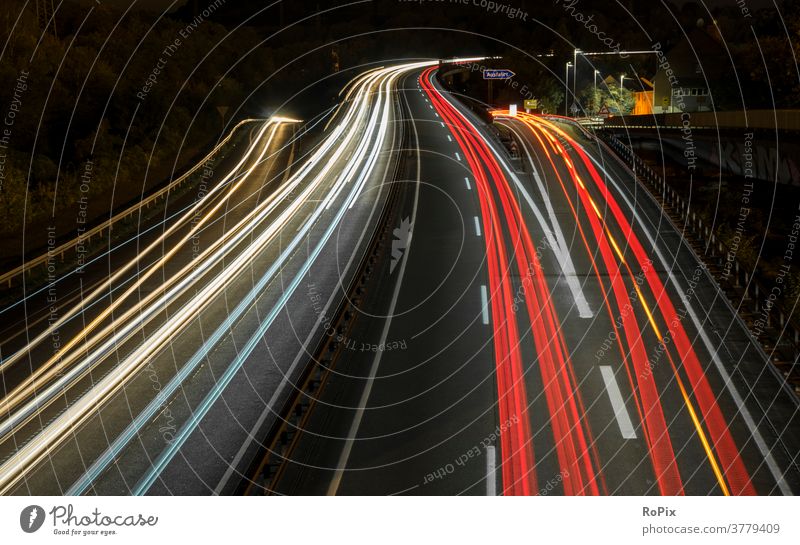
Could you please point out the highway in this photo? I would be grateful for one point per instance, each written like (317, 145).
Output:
(138, 400)
(558, 337)
(538, 326)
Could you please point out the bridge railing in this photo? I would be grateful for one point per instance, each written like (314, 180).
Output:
(782, 331)
(72, 245)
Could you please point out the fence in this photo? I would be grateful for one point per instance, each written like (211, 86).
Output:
(780, 335)
(71, 245)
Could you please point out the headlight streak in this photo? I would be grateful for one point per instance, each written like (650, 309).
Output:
(42, 444)
(166, 456)
(39, 378)
(195, 272)
(102, 287)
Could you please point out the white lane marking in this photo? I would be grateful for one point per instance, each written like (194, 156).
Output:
(484, 306)
(430, 106)
(618, 404)
(351, 436)
(491, 478)
(449, 138)
(458, 156)
(466, 180)
(556, 236)
(477, 226)
(441, 123)
(562, 254)
(776, 472)
(436, 114)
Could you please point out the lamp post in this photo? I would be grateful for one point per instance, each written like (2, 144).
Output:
(566, 90)
(594, 96)
(575, 70)
(622, 81)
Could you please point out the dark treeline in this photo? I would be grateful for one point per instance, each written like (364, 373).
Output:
(135, 95)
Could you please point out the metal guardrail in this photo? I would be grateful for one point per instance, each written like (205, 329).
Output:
(270, 463)
(72, 244)
(751, 289)
(739, 279)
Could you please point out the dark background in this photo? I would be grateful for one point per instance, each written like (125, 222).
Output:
(80, 99)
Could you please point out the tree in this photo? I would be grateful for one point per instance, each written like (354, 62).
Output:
(617, 100)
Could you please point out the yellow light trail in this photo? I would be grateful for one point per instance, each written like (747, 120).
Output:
(372, 96)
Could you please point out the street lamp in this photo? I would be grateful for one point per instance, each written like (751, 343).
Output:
(575, 71)
(622, 81)
(566, 89)
(594, 96)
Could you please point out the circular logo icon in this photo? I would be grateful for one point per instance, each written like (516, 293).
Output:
(31, 518)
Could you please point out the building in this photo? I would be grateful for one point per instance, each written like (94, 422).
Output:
(644, 98)
(696, 64)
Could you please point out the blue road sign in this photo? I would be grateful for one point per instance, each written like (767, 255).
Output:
(489, 73)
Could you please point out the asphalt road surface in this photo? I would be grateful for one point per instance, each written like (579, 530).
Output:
(539, 326)
(557, 336)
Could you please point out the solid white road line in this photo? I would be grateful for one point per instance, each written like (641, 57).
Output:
(466, 180)
(718, 365)
(620, 412)
(351, 436)
(301, 356)
(562, 253)
(491, 478)
(484, 306)
(477, 226)
(555, 236)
